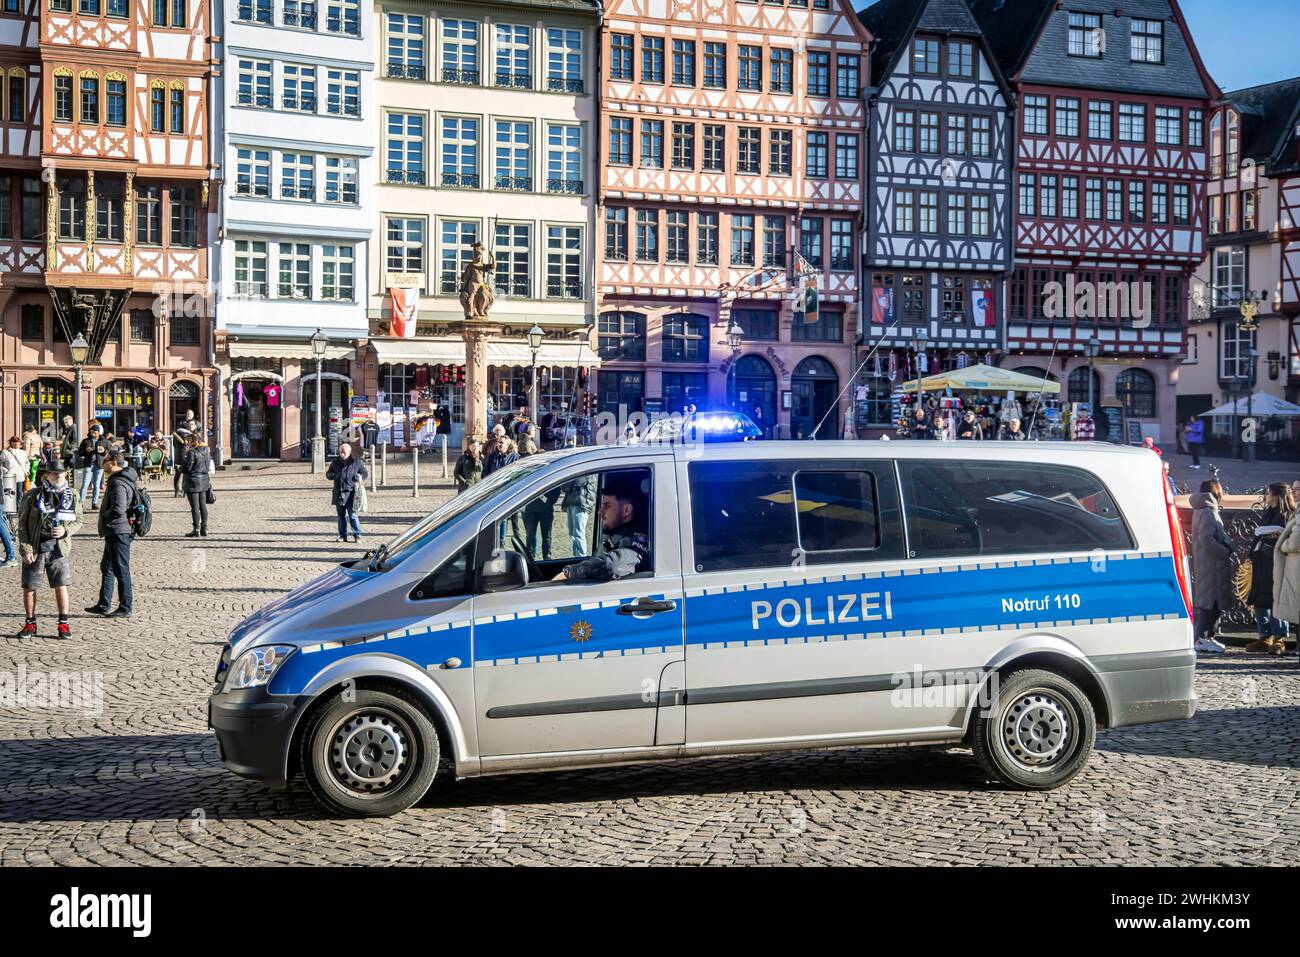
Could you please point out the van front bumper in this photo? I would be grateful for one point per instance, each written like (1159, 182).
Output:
(253, 731)
(1149, 688)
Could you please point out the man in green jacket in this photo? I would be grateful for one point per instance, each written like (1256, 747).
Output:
(48, 517)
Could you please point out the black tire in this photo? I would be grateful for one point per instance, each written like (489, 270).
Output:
(1038, 732)
(372, 756)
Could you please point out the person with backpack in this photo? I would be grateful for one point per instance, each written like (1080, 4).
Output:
(50, 514)
(117, 529)
(197, 484)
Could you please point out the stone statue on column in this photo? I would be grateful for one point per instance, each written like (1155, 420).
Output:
(476, 294)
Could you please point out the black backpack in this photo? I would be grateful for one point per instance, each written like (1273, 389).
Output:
(140, 512)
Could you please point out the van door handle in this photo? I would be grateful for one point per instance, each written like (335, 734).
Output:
(646, 607)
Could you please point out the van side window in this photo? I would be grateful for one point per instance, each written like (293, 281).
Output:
(744, 514)
(455, 577)
(836, 511)
(992, 508)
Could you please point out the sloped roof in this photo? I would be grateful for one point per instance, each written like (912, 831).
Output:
(892, 23)
(1011, 27)
(1269, 114)
(570, 6)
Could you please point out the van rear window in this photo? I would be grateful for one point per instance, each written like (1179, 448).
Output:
(994, 508)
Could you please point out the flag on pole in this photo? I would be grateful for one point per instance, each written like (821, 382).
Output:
(406, 304)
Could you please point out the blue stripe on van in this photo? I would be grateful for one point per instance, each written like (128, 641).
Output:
(421, 646)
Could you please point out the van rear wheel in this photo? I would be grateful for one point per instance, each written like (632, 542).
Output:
(371, 756)
(1038, 732)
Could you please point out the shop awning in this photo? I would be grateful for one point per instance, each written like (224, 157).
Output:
(499, 353)
(420, 351)
(984, 378)
(242, 349)
(1262, 404)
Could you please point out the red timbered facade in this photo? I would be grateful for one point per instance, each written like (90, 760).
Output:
(733, 139)
(104, 169)
(1109, 197)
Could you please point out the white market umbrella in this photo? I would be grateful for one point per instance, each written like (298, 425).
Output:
(1262, 404)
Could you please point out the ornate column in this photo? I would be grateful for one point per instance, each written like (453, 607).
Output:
(90, 221)
(476, 379)
(128, 225)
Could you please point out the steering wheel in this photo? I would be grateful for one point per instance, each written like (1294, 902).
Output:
(534, 573)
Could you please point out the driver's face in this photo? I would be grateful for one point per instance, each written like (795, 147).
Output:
(614, 512)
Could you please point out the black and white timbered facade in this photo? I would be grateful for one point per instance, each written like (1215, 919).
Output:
(937, 247)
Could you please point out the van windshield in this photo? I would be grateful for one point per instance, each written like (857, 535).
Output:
(422, 531)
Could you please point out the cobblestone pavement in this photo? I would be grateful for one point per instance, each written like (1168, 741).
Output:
(141, 781)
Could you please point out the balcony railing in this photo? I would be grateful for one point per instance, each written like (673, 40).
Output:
(288, 290)
(254, 13)
(335, 23)
(408, 177)
(348, 106)
(244, 98)
(564, 84)
(252, 189)
(518, 81)
(571, 186)
(522, 184)
(347, 196)
(460, 180)
(463, 77)
(251, 290)
(447, 285)
(290, 191)
(564, 289)
(404, 71)
(300, 104)
(514, 287)
(302, 19)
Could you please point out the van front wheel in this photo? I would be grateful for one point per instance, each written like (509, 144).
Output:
(371, 756)
(1037, 733)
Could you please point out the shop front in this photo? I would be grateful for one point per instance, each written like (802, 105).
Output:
(256, 397)
(45, 402)
(122, 405)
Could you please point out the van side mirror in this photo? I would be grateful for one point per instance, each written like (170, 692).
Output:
(503, 572)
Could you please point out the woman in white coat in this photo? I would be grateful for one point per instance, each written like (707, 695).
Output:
(1286, 575)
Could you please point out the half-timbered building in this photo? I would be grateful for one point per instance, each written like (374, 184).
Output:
(937, 224)
(1110, 188)
(104, 172)
(732, 140)
(1252, 258)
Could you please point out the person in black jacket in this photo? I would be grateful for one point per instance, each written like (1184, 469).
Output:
(197, 484)
(115, 528)
(346, 472)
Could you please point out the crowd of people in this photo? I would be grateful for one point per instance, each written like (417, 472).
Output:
(51, 485)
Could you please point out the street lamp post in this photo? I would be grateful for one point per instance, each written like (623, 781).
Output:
(535, 337)
(80, 349)
(1249, 309)
(735, 336)
(1094, 350)
(319, 343)
(919, 342)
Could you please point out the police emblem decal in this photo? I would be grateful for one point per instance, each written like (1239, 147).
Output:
(580, 631)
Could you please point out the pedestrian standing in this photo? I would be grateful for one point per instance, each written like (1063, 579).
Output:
(180, 444)
(1011, 432)
(1286, 572)
(50, 514)
(503, 453)
(116, 531)
(1195, 440)
(1083, 428)
(32, 448)
(68, 442)
(1211, 579)
(92, 451)
(1279, 507)
(578, 502)
(346, 471)
(528, 441)
(197, 483)
(969, 428)
(920, 423)
(469, 467)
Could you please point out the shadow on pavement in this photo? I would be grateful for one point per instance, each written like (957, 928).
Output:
(1264, 737)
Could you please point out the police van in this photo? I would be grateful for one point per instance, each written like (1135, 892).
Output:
(617, 605)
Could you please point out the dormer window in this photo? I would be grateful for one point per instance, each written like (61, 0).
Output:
(1147, 41)
(1086, 35)
(925, 57)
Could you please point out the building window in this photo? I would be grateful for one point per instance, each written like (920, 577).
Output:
(749, 150)
(677, 249)
(337, 274)
(620, 140)
(685, 338)
(749, 68)
(343, 16)
(250, 268)
(1232, 148)
(952, 304)
(620, 56)
(1136, 388)
(956, 135)
(1182, 204)
(819, 73)
(513, 250)
(1067, 116)
(647, 235)
(1147, 41)
(295, 271)
(513, 159)
(904, 131)
(904, 211)
(340, 180)
(621, 337)
(1229, 276)
(1196, 128)
(684, 388)
(1237, 352)
(1160, 202)
(761, 324)
(981, 136)
(564, 60)
(846, 156)
(816, 150)
(254, 83)
(141, 325)
(1086, 37)
(706, 243)
(343, 92)
(956, 214)
(829, 327)
(810, 240)
(184, 329)
(513, 56)
(742, 239)
(774, 238)
(714, 142)
(1099, 120)
(782, 65)
(928, 212)
(980, 223)
(297, 13)
(961, 59)
(456, 238)
(652, 144)
(183, 204)
(925, 57)
(1028, 199)
(254, 11)
(683, 156)
(563, 158)
(404, 149)
(298, 176)
(299, 88)
(148, 215)
(177, 97)
(90, 99)
(1115, 200)
(683, 63)
(252, 172)
(1132, 123)
(1169, 125)
(780, 152)
(715, 66)
(63, 98)
(846, 76)
(616, 233)
(652, 59)
(17, 97)
(459, 51)
(405, 244)
(564, 262)
(1137, 201)
(458, 167)
(115, 102)
(32, 323)
(1035, 110)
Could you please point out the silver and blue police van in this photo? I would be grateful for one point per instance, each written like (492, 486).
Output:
(647, 603)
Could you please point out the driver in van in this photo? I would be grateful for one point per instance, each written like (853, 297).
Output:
(626, 548)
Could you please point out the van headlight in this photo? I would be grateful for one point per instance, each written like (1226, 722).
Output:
(257, 666)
